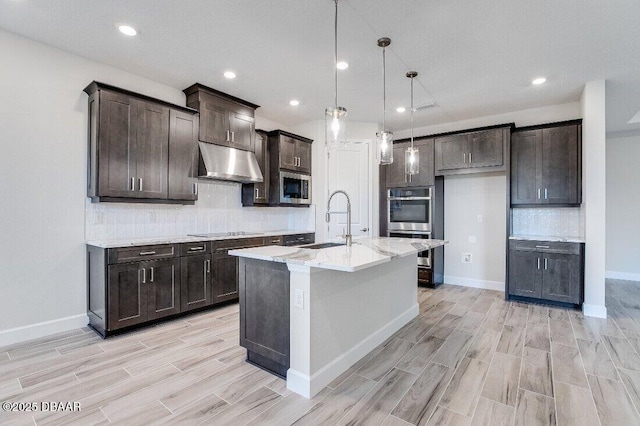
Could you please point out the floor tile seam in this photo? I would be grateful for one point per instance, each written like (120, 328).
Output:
(587, 374)
(455, 370)
(454, 411)
(346, 413)
(626, 389)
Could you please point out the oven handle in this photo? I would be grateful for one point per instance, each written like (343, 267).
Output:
(411, 232)
(408, 198)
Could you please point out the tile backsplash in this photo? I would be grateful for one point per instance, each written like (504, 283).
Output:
(218, 209)
(561, 222)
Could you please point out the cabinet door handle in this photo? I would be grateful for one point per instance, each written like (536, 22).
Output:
(133, 184)
(275, 241)
(139, 184)
(538, 193)
(545, 193)
(233, 136)
(151, 271)
(207, 265)
(257, 192)
(144, 276)
(545, 263)
(228, 137)
(195, 188)
(146, 253)
(464, 158)
(470, 160)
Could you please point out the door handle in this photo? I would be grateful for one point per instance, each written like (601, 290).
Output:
(545, 193)
(151, 271)
(365, 229)
(538, 263)
(545, 263)
(464, 157)
(470, 160)
(195, 188)
(144, 276)
(257, 192)
(139, 184)
(133, 184)
(538, 193)
(233, 136)
(207, 264)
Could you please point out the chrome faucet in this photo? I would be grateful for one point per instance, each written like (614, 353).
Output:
(327, 217)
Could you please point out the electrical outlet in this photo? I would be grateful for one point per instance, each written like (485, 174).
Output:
(479, 218)
(466, 257)
(472, 239)
(299, 299)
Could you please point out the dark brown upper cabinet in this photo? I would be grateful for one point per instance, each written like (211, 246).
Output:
(140, 148)
(290, 152)
(472, 151)
(224, 119)
(395, 175)
(258, 193)
(546, 165)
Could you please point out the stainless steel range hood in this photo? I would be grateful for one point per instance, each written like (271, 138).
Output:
(224, 163)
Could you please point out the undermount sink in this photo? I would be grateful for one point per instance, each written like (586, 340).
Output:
(323, 245)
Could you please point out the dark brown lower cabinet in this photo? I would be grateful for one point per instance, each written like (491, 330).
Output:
(163, 287)
(264, 314)
(547, 271)
(225, 277)
(127, 296)
(196, 282)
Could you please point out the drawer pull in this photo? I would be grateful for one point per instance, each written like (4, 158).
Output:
(542, 247)
(199, 248)
(147, 253)
(275, 241)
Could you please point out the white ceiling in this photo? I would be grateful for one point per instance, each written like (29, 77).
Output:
(474, 58)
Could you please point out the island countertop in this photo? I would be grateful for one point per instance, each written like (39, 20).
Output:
(364, 253)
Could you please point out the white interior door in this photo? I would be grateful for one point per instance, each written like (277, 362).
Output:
(349, 169)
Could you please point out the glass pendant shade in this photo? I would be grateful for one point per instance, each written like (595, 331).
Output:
(385, 147)
(412, 161)
(335, 126)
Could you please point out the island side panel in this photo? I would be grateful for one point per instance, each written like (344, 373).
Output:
(264, 314)
(345, 316)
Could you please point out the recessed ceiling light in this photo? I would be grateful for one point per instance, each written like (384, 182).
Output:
(127, 30)
(401, 109)
(538, 81)
(342, 65)
(294, 102)
(230, 74)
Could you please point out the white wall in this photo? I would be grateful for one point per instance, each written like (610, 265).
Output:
(466, 197)
(594, 195)
(623, 208)
(43, 122)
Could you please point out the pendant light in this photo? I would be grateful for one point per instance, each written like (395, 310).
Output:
(335, 117)
(384, 138)
(412, 155)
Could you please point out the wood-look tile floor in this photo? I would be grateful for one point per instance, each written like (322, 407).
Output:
(469, 359)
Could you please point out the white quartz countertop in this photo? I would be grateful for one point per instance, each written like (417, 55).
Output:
(364, 253)
(133, 242)
(547, 238)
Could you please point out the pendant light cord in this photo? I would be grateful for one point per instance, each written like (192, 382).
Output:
(411, 112)
(384, 89)
(335, 65)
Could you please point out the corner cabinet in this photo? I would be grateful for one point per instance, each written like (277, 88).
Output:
(224, 119)
(546, 165)
(140, 148)
(475, 151)
(546, 271)
(395, 174)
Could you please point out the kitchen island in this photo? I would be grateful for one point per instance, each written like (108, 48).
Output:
(308, 314)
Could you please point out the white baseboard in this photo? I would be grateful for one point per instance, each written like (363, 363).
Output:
(309, 386)
(471, 282)
(628, 276)
(594, 311)
(42, 329)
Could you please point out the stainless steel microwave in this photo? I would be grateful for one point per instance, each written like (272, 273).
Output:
(295, 188)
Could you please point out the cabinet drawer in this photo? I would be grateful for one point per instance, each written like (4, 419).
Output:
(131, 254)
(546, 246)
(276, 240)
(224, 245)
(190, 249)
